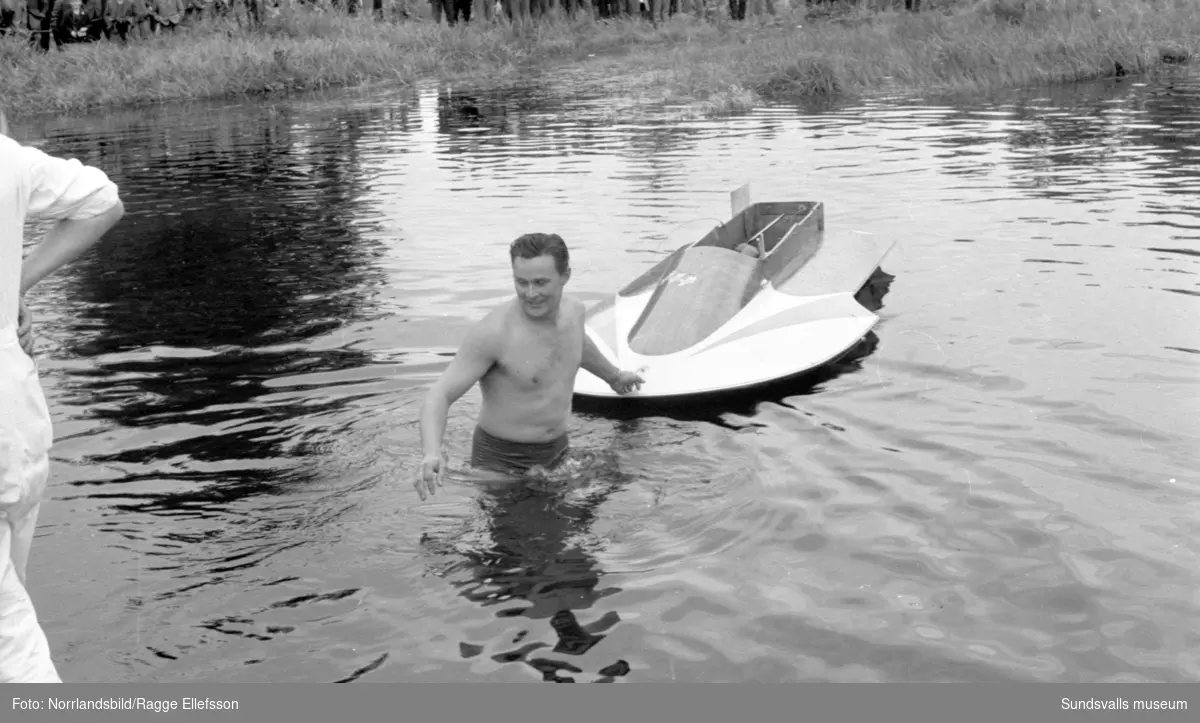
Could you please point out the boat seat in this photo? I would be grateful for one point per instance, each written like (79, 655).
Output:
(705, 290)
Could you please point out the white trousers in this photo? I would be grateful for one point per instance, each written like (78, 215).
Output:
(25, 438)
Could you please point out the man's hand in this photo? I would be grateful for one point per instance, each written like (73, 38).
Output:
(25, 328)
(626, 382)
(429, 475)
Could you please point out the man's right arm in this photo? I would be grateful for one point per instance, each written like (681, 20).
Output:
(84, 201)
(476, 355)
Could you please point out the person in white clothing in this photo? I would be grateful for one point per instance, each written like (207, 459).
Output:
(85, 204)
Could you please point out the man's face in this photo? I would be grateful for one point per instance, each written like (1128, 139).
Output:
(539, 285)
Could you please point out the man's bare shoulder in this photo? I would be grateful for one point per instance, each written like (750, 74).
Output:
(487, 335)
(577, 310)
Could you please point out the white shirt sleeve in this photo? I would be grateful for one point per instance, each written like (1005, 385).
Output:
(65, 188)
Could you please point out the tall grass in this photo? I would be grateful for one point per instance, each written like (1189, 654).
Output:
(958, 45)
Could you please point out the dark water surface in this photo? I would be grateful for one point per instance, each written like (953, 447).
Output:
(1001, 486)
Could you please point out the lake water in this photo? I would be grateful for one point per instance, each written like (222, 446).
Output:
(1001, 484)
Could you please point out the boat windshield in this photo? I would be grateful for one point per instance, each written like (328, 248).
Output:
(654, 275)
(695, 294)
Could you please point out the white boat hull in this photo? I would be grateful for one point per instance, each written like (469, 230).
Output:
(782, 350)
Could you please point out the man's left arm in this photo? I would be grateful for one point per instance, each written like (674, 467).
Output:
(595, 362)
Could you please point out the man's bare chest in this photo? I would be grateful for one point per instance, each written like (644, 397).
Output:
(537, 359)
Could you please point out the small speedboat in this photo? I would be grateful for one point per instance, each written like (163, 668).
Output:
(763, 297)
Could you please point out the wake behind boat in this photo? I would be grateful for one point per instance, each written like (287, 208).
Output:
(760, 298)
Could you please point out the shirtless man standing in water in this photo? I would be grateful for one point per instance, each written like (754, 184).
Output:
(525, 355)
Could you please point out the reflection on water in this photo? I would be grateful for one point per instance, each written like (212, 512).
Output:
(525, 552)
(997, 484)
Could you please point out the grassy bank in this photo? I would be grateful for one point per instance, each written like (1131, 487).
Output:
(953, 46)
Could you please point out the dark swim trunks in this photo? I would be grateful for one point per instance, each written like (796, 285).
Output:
(501, 455)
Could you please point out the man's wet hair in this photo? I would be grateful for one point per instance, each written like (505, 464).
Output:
(533, 245)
